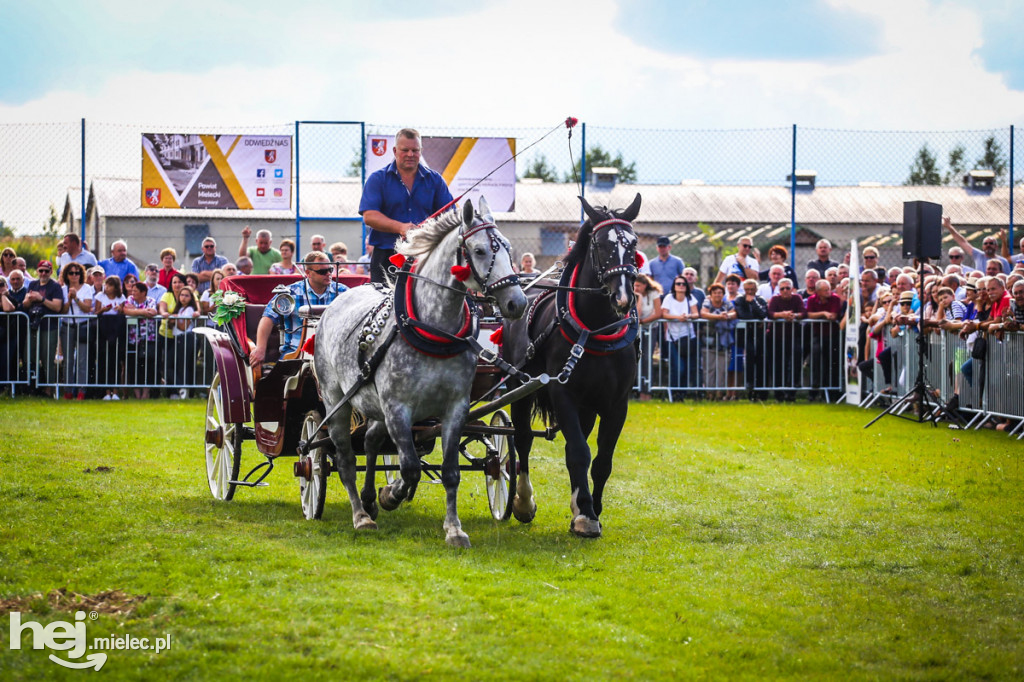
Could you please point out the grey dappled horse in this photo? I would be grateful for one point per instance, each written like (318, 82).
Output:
(410, 385)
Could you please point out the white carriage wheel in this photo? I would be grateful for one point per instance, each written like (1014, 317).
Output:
(501, 488)
(223, 446)
(313, 492)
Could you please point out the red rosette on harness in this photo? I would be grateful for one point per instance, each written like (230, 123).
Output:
(571, 122)
(309, 345)
(461, 272)
(497, 336)
(398, 260)
(640, 260)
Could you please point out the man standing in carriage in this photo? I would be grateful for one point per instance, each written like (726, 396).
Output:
(316, 289)
(398, 197)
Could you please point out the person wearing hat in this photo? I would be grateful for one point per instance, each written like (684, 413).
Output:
(96, 276)
(44, 299)
(905, 317)
(666, 267)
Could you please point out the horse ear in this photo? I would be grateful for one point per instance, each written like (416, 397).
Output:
(632, 211)
(485, 210)
(594, 216)
(467, 212)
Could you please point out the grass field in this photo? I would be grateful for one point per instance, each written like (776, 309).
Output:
(741, 541)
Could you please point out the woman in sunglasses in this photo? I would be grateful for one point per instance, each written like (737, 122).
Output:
(78, 295)
(679, 307)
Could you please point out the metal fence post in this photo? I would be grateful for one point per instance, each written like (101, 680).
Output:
(362, 161)
(792, 207)
(1010, 245)
(583, 166)
(298, 212)
(81, 217)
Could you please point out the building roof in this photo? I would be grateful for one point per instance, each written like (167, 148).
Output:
(668, 205)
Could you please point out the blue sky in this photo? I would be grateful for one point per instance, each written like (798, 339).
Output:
(918, 64)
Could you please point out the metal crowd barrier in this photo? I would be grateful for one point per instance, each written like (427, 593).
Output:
(988, 387)
(15, 346)
(79, 353)
(748, 358)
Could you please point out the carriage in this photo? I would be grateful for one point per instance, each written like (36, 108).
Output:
(400, 397)
(276, 409)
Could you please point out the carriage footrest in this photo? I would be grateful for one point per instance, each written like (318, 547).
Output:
(250, 484)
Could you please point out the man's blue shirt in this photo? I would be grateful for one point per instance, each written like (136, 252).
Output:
(112, 267)
(665, 272)
(304, 295)
(384, 191)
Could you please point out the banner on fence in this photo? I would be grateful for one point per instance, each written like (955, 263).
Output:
(853, 328)
(463, 161)
(216, 171)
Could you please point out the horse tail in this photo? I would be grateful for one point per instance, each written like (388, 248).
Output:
(543, 408)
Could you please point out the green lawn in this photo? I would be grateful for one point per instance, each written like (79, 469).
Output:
(741, 541)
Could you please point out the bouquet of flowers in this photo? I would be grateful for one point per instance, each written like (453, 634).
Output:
(226, 306)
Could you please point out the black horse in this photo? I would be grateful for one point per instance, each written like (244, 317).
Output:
(583, 334)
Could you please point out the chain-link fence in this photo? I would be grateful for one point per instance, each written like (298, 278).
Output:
(705, 188)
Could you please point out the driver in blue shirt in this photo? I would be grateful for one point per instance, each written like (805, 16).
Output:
(318, 288)
(398, 197)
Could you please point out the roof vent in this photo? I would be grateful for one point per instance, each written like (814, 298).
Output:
(604, 177)
(980, 178)
(805, 179)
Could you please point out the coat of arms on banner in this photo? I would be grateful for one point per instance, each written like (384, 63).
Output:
(270, 155)
(379, 145)
(153, 196)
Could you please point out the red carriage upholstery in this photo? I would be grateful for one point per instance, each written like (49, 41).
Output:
(258, 290)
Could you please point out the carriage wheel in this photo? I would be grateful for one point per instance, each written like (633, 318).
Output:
(223, 446)
(500, 472)
(316, 469)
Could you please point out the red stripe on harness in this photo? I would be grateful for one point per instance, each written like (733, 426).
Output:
(425, 334)
(572, 311)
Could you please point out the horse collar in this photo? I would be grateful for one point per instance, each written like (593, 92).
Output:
(424, 337)
(607, 339)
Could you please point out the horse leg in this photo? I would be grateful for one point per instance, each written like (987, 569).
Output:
(451, 434)
(399, 425)
(524, 507)
(376, 432)
(577, 461)
(345, 461)
(607, 437)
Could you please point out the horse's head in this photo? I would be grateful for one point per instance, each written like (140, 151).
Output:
(489, 257)
(612, 251)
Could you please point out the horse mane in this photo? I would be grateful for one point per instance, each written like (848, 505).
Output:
(579, 249)
(429, 235)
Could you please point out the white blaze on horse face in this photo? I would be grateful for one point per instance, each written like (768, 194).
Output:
(624, 295)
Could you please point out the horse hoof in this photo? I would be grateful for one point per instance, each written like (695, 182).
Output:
(523, 515)
(388, 502)
(584, 527)
(364, 522)
(457, 539)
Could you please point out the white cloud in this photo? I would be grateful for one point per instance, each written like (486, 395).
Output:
(531, 62)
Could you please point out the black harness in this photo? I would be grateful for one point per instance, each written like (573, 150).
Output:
(608, 339)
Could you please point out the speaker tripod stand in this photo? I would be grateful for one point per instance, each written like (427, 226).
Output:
(929, 407)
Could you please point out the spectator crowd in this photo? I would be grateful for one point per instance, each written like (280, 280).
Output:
(758, 326)
(103, 329)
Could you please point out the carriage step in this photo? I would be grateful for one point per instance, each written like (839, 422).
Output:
(250, 484)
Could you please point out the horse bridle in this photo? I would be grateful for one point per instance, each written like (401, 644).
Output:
(496, 247)
(608, 270)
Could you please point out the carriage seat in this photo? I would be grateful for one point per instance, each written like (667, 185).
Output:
(253, 314)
